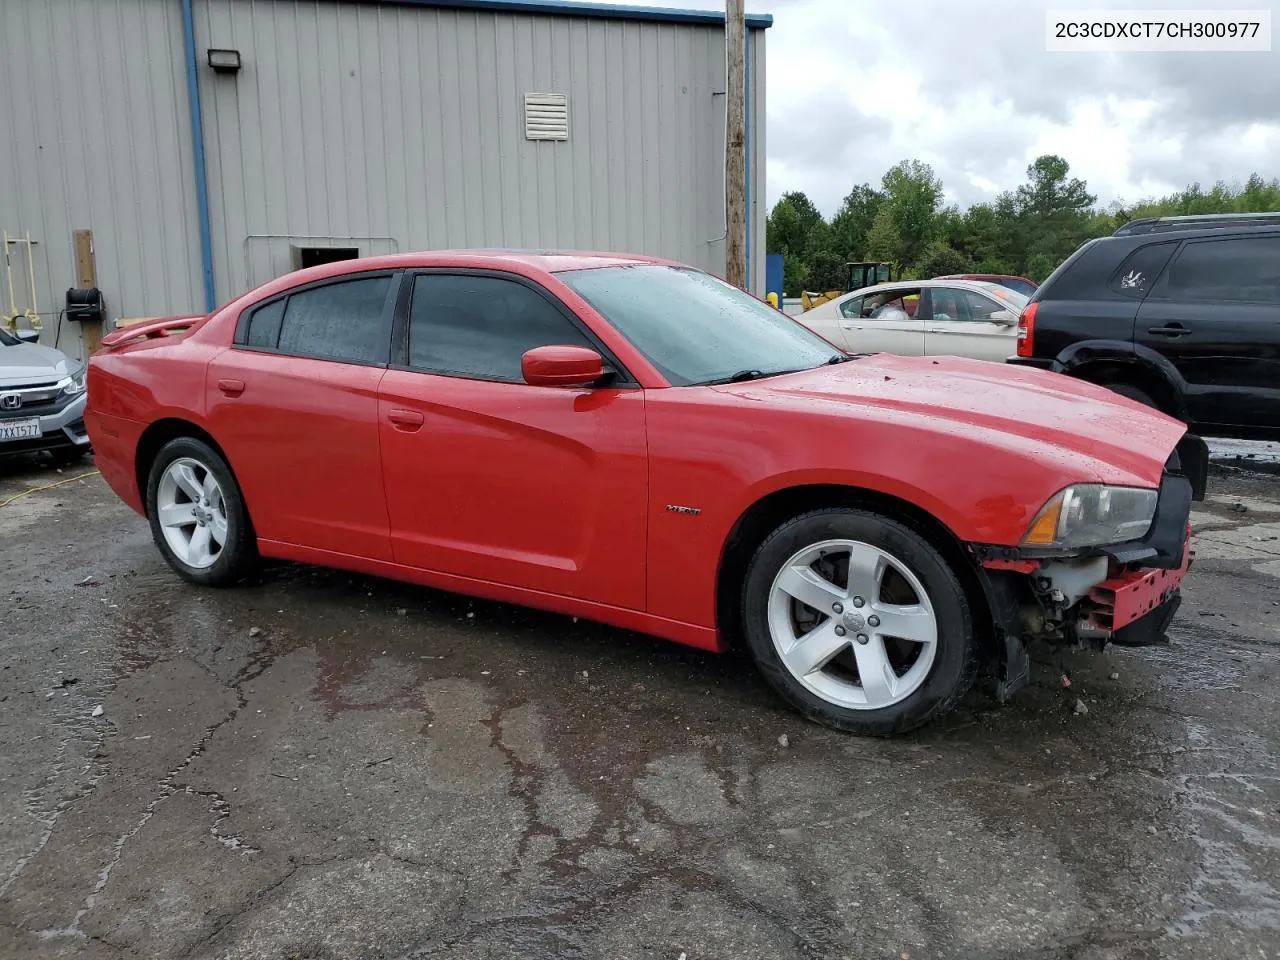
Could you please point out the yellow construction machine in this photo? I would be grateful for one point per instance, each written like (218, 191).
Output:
(860, 275)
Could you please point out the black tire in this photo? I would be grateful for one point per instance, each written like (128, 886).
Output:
(239, 554)
(1133, 393)
(68, 458)
(955, 665)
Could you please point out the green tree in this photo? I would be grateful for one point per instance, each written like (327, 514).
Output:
(983, 237)
(1029, 230)
(852, 222)
(884, 242)
(949, 227)
(1048, 193)
(1053, 211)
(790, 226)
(941, 259)
(912, 194)
(827, 271)
(795, 229)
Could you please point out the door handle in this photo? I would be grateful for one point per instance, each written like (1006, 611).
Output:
(1171, 330)
(231, 388)
(408, 420)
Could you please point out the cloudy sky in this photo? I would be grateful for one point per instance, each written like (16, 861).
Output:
(966, 85)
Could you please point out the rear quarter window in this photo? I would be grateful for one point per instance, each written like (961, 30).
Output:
(1137, 274)
(264, 326)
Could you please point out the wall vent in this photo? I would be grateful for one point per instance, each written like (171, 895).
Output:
(546, 116)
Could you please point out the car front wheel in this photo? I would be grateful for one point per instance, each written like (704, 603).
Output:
(198, 518)
(859, 622)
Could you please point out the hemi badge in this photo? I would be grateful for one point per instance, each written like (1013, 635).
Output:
(690, 511)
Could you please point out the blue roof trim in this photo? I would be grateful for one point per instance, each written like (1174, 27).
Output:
(567, 8)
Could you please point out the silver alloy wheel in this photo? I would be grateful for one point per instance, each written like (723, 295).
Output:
(192, 512)
(853, 624)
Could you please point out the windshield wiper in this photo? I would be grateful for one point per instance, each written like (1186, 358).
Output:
(740, 377)
(841, 358)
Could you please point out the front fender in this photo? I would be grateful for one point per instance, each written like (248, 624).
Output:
(909, 489)
(706, 470)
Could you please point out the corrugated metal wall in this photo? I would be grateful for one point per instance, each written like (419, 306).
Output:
(404, 125)
(95, 134)
(394, 126)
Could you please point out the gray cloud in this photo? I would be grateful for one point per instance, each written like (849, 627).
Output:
(1207, 92)
(856, 85)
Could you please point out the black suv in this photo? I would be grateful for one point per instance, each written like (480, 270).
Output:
(1180, 313)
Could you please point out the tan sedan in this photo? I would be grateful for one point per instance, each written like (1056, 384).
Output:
(961, 318)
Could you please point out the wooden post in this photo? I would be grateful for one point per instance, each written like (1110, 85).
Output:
(735, 145)
(87, 276)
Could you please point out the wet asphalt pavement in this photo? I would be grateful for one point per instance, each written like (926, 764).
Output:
(327, 766)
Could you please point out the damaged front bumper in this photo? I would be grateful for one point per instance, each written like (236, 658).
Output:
(1126, 594)
(1133, 608)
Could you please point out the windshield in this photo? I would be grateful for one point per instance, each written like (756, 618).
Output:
(696, 329)
(8, 341)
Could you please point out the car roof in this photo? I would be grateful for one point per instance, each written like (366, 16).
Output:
(983, 276)
(1210, 223)
(551, 261)
(517, 261)
(978, 286)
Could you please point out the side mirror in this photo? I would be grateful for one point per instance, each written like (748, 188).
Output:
(1004, 318)
(27, 335)
(561, 366)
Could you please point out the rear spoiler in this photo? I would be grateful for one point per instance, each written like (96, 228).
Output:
(150, 330)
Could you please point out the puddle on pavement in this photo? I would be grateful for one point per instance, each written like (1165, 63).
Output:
(671, 751)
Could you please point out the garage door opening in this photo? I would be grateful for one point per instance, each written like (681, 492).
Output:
(304, 257)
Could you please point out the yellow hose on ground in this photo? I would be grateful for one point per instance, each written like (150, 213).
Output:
(47, 486)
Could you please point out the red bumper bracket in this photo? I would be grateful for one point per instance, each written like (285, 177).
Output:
(1132, 594)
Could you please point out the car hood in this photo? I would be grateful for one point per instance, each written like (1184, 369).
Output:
(27, 363)
(1016, 406)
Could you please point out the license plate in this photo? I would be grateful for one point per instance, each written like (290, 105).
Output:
(20, 429)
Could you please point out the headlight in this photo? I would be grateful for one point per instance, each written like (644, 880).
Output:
(76, 386)
(1091, 515)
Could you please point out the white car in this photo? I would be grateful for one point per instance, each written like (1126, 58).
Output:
(923, 318)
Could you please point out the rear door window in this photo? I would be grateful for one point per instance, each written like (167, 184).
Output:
(348, 320)
(890, 305)
(1240, 270)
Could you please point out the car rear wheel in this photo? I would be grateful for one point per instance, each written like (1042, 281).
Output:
(859, 622)
(198, 518)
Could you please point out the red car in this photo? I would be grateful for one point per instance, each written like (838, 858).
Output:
(634, 441)
(1018, 284)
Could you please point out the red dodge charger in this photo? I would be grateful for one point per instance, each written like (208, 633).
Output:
(634, 441)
